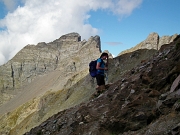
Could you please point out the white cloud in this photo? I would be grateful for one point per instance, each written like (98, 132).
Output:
(2, 58)
(47, 20)
(125, 7)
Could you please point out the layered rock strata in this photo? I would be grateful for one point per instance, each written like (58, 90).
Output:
(40, 81)
(67, 54)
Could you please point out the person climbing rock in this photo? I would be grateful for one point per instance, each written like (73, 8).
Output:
(101, 67)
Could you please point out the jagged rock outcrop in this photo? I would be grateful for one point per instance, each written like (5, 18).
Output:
(144, 101)
(67, 54)
(39, 74)
(153, 41)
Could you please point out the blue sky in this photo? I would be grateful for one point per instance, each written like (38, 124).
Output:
(121, 24)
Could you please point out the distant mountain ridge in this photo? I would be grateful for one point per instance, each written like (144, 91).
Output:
(46, 78)
(67, 54)
(153, 41)
(40, 70)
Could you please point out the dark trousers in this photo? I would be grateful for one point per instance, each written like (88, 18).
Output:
(100, 80)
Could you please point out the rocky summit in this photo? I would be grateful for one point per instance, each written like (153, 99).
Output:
(46, 89)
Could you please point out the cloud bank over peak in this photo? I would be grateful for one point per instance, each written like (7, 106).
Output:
(34, 21)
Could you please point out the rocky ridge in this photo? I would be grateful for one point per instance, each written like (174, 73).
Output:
(49, 78)
(40, 73)
(68, 54)
(153, 41)
(144, 100)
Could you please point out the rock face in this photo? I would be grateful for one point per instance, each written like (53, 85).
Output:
(153, 41)
(39, 78)
(67, 54)
(52, 78)
(143, 101)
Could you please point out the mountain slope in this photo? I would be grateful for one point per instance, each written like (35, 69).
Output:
(40, 80)
(45, 79)
(145, 100)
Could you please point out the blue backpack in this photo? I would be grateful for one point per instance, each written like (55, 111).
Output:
(92, 68)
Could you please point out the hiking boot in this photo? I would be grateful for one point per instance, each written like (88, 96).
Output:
(100, 88)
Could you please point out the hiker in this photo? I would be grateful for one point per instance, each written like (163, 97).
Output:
(101, 66)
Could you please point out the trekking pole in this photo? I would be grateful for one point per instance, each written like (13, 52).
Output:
(106, 74)
(107, 70)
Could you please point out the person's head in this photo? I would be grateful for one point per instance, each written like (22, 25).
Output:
(104, 56)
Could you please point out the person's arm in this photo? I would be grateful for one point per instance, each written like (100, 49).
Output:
(98, 66)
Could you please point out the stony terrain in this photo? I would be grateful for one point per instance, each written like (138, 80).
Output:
(49, 78)
(144, 101)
